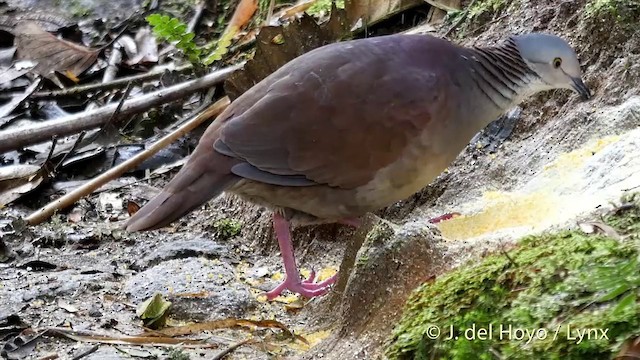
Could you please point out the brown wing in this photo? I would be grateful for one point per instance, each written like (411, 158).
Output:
(336, 116)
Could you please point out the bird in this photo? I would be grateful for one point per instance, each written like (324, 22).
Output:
(354, 126)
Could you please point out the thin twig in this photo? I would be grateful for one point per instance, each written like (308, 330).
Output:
(110, 72)
(195, 20)
(75, 195)
(231, 348)
(71, 151)
(463, 16)
(126, 94)
(272, 5)
(87, 352)
(488, 23)
(116, 84)
(51, 356)
(71, 124)
(20, 98)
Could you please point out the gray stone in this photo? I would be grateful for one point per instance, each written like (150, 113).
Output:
(180, 249)
(222, 296)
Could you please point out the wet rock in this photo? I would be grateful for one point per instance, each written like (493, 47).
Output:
(392, 261)
(181, 249)
(105, 353)
(199, 288)
(382, 265)
(95, 312)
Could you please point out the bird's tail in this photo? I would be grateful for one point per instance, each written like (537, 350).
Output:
(201, 179)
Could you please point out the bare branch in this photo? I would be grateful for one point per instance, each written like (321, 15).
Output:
(75, 195)
(15, 139)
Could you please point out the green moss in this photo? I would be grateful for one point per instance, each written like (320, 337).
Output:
(623, 11)
(178, 354)
(480, 8)
(78, 9)
(551, 286)
(379, 234)
(226, 228)
(324, 7)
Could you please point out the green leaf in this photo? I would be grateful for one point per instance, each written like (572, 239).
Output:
(627, 301)
(615, 293)
(154, 311)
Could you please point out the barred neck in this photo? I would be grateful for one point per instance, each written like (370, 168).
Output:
(502, 75)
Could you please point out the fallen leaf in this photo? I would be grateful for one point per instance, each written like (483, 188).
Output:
(241, 16)
(9, 74)
(146, 47)
(154, 311)
(294, 306)
(87, 336)
(219, 324)
(21, 346)
(18, 180)
(63, 304)
(294, 10)
(370, 12)
(50, 53)
(17, 100)
(598, 227)
(446, 5)
(132, 207)
(298, 37)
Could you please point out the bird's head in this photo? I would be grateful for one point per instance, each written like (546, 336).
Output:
(555, 62)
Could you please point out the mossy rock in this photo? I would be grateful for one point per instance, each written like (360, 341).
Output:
(551, 286)
(621, 11)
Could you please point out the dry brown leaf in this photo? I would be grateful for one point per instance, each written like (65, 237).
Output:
(132, 207)
(294, 10)
(87, 336)
(373, 11)
(17, 180)
(218, 324)
(52, 54)
(298, 37)
(242, 14)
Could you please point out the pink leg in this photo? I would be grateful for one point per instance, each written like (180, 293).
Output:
(292, 281)
(444, 217)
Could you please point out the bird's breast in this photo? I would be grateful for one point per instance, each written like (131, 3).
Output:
(419, 165)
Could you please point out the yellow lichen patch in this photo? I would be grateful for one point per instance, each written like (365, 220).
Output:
(305, 273)
(277, 276)
(326, 273)
(549, 198)
(506, 211)
(287, 299)
(576, 158)
(312, 338)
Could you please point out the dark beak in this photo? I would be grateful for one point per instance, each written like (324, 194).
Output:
(581, 88)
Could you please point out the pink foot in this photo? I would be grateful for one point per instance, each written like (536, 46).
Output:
(444, 217)
(292, 281)
(306, 288)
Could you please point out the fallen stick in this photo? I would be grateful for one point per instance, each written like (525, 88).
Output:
(102, 86)
(67, 125)
(69, 199)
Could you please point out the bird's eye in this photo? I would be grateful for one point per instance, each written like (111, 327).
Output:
(557, 62)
